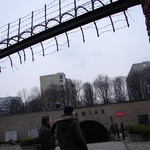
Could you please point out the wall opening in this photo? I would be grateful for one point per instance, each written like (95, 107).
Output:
(94, 131)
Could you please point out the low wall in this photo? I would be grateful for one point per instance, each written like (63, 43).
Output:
(104, 114)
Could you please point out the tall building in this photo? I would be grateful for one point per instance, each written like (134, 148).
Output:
(58, 79)
(139, 67)
(138, 81)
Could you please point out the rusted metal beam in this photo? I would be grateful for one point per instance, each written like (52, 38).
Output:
(110, 9)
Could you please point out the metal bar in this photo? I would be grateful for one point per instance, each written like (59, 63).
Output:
(45, 17)
(115, 7)
(75, 8)
(60, 11)
(19, 29)
(92, 3)
(8, 34)
(32, 23)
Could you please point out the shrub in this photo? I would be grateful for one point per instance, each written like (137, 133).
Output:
(139, 129)
(29, 141)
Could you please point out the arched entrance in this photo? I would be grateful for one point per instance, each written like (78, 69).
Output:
(94, 131)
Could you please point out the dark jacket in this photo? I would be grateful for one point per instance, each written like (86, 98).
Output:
(69, 134)
(44, 137)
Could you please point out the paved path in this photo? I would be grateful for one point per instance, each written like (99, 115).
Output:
(112, 145)
(119, 145)
(8, 147)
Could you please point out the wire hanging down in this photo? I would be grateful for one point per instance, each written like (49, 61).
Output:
(46, 26)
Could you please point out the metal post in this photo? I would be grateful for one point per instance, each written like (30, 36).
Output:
(45, 18)
(122, 130)
(117, 131)
(75, 8)
(32, 23)
(19, 28)
(8, 34)
(60, 11)
(92, 1)
(113, 130)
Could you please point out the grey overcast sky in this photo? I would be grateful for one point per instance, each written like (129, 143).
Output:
(112, 53)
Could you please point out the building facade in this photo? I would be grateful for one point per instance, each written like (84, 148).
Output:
(58, 79)
(138, 81)
(139, 67)
(4, 104)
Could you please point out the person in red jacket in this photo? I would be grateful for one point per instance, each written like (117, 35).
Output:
(69, 133)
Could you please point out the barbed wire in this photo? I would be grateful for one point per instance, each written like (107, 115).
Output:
(31, 24)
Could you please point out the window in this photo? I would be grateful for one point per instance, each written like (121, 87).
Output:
(61, 77)
(143, 119)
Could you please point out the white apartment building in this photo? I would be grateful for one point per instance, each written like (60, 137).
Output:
(58, 79)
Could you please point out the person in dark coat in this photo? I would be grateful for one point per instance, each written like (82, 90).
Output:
(69, 133)
(44, 133)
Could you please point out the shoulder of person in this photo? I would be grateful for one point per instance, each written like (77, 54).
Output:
(43, 128)
(63, 118)
(75, 120)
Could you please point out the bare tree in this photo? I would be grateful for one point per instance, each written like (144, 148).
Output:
(120, 90)
(88, 94)
(73, 89)
(16, 106)
(34, 105)
(35, 92)
(52, 96)
(102, 85)
(77, 93)
(138, 83)
(34, 102)
(69, 92)
(23, 94)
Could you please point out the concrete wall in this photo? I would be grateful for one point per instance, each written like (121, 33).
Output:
(102, 113)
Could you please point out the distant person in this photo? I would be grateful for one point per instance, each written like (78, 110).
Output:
(69, 133)
(45, 133)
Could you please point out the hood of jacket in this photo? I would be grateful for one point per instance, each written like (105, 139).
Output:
(64, 121)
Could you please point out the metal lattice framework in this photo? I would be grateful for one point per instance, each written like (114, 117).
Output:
(56, 20)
